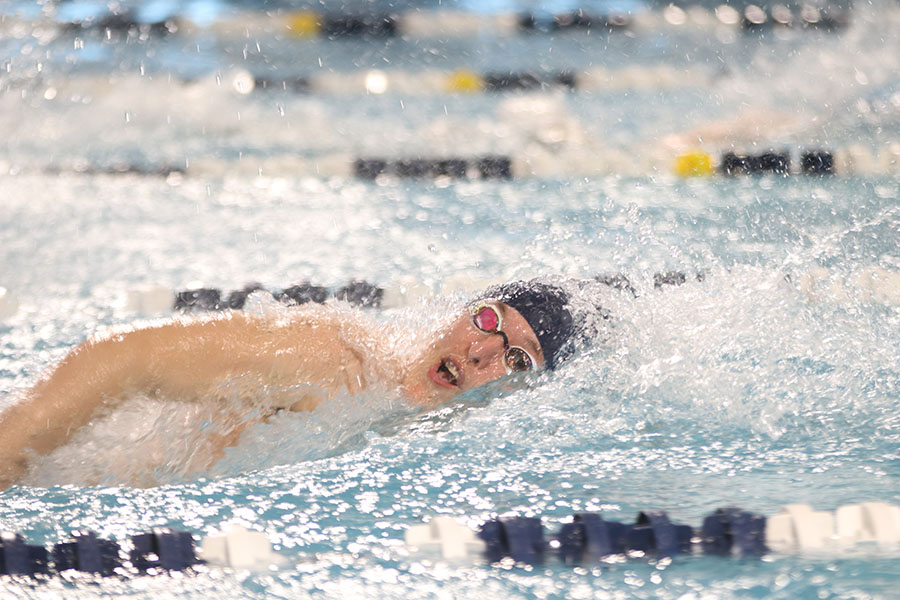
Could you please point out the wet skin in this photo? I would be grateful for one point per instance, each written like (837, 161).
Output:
(476, 356)
(187, 360)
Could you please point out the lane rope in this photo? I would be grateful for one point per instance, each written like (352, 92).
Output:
(430, 24)
(585, 539)
(536, 162)
(869, 284)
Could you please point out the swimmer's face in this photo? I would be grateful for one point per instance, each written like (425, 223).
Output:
(464, 357)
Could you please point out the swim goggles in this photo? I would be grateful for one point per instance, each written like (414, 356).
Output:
(486, 318)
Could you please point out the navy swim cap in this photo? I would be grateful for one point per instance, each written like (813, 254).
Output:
(544, 306)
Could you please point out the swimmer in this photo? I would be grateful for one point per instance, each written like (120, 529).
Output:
(300, 359)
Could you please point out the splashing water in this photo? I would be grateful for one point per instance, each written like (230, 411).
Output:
(769, 376)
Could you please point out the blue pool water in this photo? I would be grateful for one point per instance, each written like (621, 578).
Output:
(773, 379)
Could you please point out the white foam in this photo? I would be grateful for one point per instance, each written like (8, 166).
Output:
(164, 441)
(9, 304)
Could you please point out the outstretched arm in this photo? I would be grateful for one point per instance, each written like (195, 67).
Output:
(180, 360)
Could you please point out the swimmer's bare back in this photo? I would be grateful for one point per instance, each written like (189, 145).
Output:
(181, 359)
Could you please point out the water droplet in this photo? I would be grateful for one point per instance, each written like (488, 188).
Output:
(376, 82)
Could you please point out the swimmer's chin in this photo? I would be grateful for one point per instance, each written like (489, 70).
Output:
(427, 395)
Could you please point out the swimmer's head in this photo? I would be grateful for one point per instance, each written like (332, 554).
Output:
(545, 308)
(522, 325)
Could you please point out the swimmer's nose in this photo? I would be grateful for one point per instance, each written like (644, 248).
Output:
(483, 351)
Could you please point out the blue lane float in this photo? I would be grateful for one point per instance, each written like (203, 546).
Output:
(334, 26)
(157, 551)
(525, 81)
(776, 163)
(812, 162)
(484, 167)
(589, 538)
(305, 292)
(122, 168)
(817, 162)
(165, 549)
(655, 534)
(733, 531)
(518, 538)
(87, 553)
(297, 84)
(19, 558)
(357, 293)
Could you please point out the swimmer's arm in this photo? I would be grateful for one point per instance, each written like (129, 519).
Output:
(94, 373)
(179, 360)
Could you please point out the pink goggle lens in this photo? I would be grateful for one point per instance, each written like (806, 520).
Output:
(487, 319)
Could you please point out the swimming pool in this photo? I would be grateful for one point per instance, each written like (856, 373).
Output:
(772, 380)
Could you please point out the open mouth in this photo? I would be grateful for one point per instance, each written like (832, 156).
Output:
(446, 374)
